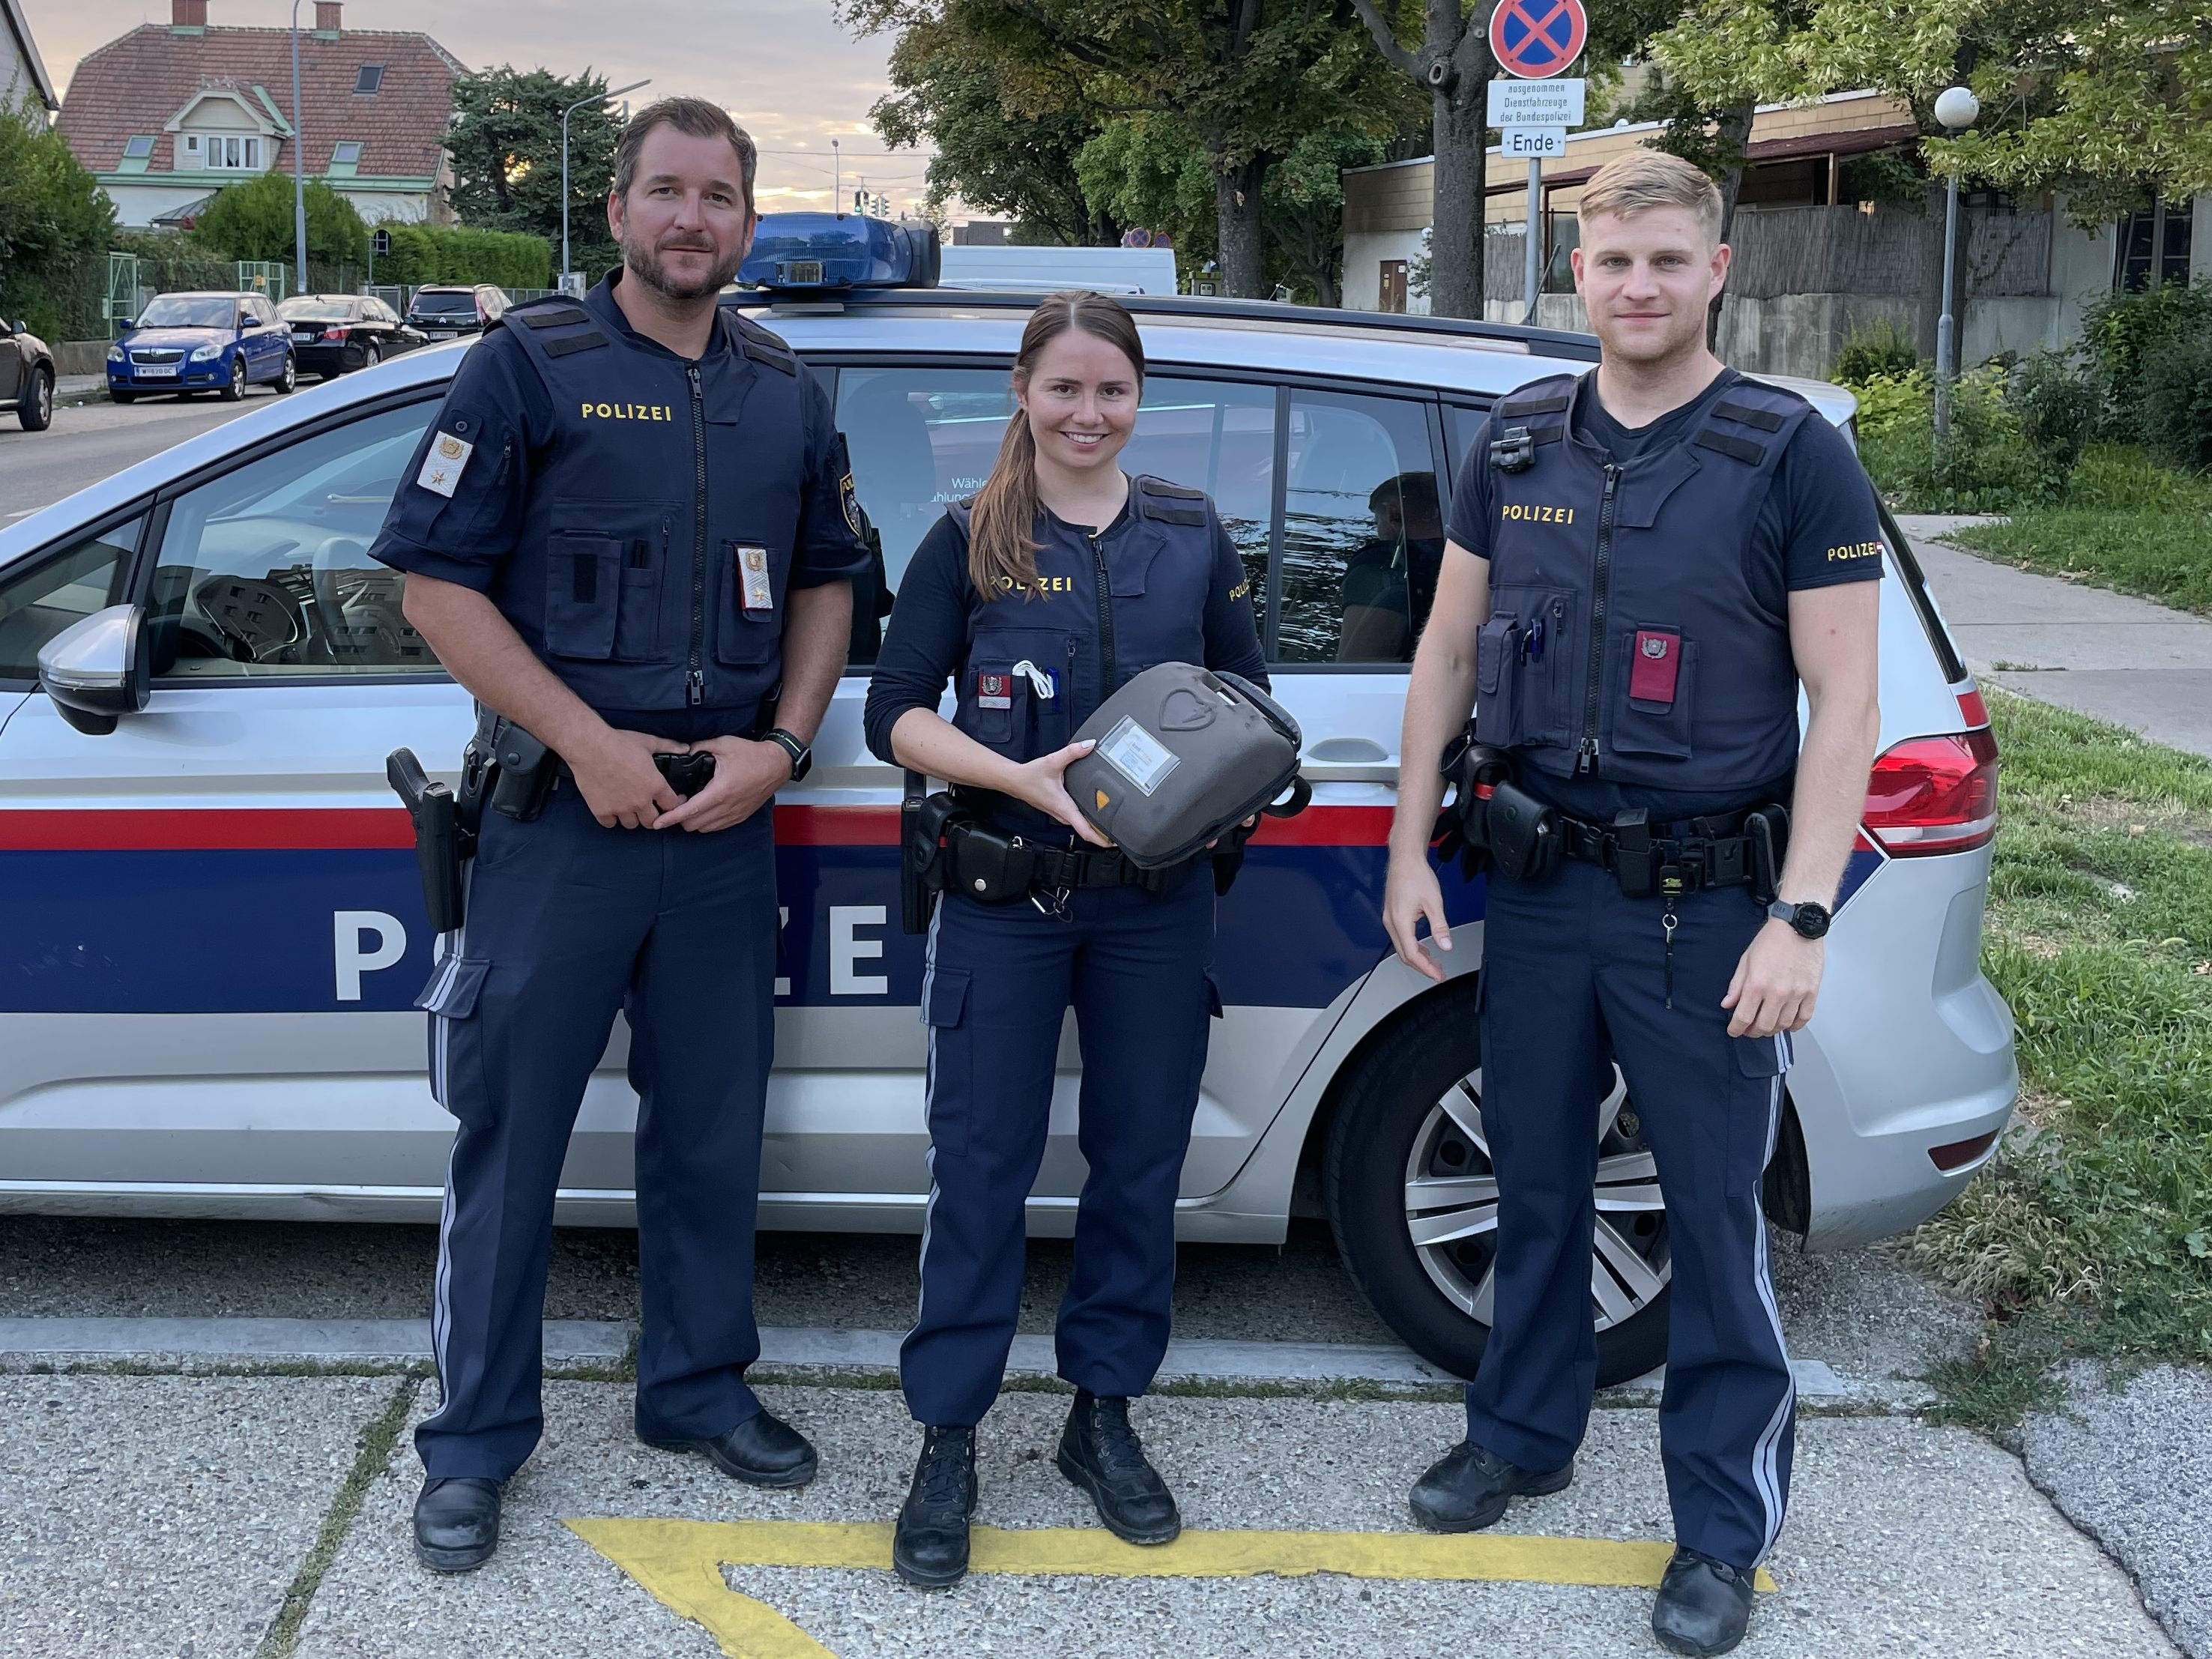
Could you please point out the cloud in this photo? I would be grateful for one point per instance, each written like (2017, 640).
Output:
(792, 78)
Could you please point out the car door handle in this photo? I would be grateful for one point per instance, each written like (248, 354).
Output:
(1346, 751)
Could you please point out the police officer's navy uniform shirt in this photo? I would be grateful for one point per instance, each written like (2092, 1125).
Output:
(1163, 609)
(616, 472)
(1817, 501)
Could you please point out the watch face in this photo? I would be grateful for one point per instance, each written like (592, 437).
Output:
(1810, 921)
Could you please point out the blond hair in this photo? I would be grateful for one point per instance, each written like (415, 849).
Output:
(1643, 179)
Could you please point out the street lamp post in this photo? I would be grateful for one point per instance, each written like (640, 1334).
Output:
(1956, 109)
(599, 98)
(299, 159)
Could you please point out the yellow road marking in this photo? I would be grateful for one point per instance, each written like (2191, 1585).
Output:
(679, 1563)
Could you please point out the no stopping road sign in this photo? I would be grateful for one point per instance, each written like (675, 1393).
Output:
(1536, 38)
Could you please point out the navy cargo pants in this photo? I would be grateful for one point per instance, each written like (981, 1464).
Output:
(567, 923)
(1573, 970)
(998, 984)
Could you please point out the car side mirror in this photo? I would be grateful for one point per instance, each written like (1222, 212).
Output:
(100, 669)
(249, 323)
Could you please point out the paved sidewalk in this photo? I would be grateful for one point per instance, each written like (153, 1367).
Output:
(80, 388)
(2127, 660)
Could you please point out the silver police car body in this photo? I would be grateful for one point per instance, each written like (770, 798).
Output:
(211, 932)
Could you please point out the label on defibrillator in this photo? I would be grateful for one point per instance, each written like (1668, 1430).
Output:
(1138, 756)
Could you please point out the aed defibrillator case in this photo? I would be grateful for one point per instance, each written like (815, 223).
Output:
(1184, 754)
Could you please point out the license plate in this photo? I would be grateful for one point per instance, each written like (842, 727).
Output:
(440, 334)
(157, 372)
(308, 336)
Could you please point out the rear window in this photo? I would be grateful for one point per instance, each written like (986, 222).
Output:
(444, 304)
(315, 311)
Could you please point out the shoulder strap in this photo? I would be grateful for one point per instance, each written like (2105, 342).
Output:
(1549, 396)
(1170, 503)
(1751, 422)
(555, 326)
(759, 344)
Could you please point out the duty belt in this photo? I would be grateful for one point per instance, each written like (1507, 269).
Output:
(989, 863)
(1742, 849)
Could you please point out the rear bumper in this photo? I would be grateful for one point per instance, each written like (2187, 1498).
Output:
(328, 359)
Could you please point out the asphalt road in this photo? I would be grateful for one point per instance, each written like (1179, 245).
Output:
(91, 441)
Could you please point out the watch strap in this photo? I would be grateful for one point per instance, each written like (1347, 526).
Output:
(791, 746)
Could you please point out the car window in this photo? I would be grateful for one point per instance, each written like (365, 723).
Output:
(174, 312)
(266, 570)
(53, 593)
(1363, 529)
(923, 437)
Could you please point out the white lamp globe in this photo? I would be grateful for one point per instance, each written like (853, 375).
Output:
(1957, 108)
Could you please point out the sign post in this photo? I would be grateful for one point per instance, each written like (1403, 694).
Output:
(1534, 41)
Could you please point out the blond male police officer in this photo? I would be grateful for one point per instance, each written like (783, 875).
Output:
(1645, 564)
(627, 527)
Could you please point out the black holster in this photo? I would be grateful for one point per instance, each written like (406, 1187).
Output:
(1526, 841)
(923, 857)
(523, 769)
(441, 846)
(1474, 771)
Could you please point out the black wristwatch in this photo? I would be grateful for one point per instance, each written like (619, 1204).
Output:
(802, 755)
(1807, 920)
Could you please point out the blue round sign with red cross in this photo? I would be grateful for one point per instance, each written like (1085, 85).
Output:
(1537, 39)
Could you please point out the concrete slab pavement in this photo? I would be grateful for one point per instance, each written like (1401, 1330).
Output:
(2127, 660)
(165, 1516)
(1903, 1539)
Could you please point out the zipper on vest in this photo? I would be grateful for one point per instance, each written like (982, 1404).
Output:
(694, 683)
(1601, 582)
(1105, 620)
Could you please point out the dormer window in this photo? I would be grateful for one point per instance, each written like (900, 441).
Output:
(369, 80)
(230, 152)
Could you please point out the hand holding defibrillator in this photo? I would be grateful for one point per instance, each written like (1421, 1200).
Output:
(1042, 783)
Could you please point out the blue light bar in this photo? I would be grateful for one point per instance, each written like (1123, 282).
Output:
(816, 253)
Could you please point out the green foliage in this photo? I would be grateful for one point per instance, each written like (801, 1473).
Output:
(506, 146)
(1878, 348)
(2122, 332)
(2104, 100)
(2176, 400)
(2090, 1226)
(52, 213)
(422, 254)
(1986, 466)
(2058, 402)
(2125, 523)
(1886, 176)
(254, 221)
(1151, 170)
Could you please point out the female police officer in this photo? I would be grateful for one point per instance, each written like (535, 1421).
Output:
(1059, 582)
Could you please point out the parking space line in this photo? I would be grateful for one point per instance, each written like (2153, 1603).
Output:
(679, 1563)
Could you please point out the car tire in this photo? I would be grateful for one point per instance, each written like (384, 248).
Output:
(114, 397)
(1408, 1112)
(37, 408)
(236, 389)
(289, 378)
(370, 356)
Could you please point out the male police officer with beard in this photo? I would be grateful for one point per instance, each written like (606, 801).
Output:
(630, 531)
(1644, 564)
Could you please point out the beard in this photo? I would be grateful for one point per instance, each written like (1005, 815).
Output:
(643, 262)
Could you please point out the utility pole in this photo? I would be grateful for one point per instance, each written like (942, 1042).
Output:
(600, 98)
(298, 160)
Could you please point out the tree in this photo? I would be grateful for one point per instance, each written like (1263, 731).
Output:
(1248, 78)
(990, 152)
(254, 221)
(52, 213)
(2106, 100)
(506, 146)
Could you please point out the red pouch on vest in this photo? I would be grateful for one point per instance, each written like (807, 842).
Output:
(1656, 666)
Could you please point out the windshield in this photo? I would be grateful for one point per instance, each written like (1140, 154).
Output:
(315, 311)
(438, 305)
(172, 311)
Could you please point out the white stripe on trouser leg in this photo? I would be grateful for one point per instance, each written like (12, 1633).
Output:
(928, 1100)
(1766, 1454)
(441, 1284)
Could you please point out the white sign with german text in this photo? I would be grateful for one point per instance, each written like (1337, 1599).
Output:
(1527, 142)
(1536, 103)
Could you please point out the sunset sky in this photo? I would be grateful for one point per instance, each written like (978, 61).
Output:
(791, 76)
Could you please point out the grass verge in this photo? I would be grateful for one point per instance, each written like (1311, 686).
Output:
(2127, 524)
(375, 1452)
(2091, 1233)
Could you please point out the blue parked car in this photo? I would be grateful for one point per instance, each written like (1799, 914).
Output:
(188, 342)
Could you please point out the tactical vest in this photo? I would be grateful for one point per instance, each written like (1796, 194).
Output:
(1104, 609)
(651, 570)
(1623, 640)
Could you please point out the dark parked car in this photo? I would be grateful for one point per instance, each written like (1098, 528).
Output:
(27, 377)
(334, 334)
(188, 342)
(442, 313)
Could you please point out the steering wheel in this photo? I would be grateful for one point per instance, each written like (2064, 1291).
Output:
(258, 619)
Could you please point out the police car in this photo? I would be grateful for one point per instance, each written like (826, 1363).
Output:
(214, 928)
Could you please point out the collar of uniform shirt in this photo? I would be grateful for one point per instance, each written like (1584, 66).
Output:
(600, 302)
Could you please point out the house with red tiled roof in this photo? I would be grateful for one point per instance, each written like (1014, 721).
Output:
(167, 116)
(23, 76)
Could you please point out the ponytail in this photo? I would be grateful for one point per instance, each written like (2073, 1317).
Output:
(1002, 542)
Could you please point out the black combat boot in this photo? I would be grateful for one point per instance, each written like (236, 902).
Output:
(1704, 1607)
(456, 1524)
(930, 1547)
(1101, 1453)
(1467, 1488)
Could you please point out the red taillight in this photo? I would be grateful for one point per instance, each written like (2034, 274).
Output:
(1971, 708)
(1934, 794)
(1959, 1153)
(334, 334)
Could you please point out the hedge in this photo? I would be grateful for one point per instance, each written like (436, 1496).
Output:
(420, 254)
